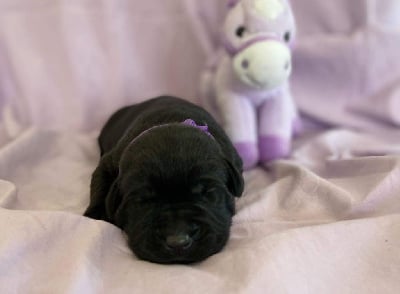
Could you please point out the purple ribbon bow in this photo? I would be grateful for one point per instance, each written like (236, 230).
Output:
(192, 123)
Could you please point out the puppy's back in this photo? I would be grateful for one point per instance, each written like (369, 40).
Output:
(123, 120)
(128, 122)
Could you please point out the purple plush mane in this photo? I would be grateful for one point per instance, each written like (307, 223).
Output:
(249, 84)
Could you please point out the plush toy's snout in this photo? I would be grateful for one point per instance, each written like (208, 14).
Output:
(264, 65)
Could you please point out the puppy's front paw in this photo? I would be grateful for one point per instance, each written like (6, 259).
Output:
(248, 151)
(273, 147)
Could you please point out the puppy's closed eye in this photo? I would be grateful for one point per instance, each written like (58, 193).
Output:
(199, 189)
(142, 195)
(211, 193)
(143, 200)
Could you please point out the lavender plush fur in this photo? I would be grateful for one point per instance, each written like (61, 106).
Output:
(249, 82)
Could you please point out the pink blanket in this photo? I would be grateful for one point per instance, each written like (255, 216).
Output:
(327, 220)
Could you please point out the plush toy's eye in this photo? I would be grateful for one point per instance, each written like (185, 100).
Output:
(287, 37)
(240, 31)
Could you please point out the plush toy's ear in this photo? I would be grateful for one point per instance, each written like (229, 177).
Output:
(235, 179)
(103, 180)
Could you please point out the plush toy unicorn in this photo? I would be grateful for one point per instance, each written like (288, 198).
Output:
(249, 82)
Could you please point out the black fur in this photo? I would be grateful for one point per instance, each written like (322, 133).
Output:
(171, 181)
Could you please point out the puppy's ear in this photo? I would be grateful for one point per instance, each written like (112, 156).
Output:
(235, 179)
(102, 179)
(113, 202)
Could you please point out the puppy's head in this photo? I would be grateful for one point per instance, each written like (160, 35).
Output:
(174, 195)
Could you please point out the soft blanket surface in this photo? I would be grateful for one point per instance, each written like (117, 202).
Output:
(326, 220)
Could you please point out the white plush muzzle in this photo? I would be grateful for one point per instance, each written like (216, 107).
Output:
(264, 65)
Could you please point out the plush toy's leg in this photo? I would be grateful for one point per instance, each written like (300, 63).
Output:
(275, 127)
(297, 125)
(248, 151)
(239, 121)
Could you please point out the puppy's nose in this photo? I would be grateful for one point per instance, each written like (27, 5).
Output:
(179, 241)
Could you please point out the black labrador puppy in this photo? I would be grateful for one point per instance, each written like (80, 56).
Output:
(167, 176)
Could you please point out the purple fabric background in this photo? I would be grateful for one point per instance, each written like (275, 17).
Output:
(90, 57)
(324, 221)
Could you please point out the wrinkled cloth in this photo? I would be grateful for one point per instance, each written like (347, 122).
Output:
(326, 220)
(347, 70)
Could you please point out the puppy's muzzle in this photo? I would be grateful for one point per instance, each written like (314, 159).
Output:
(179, 242)
(179, 236)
